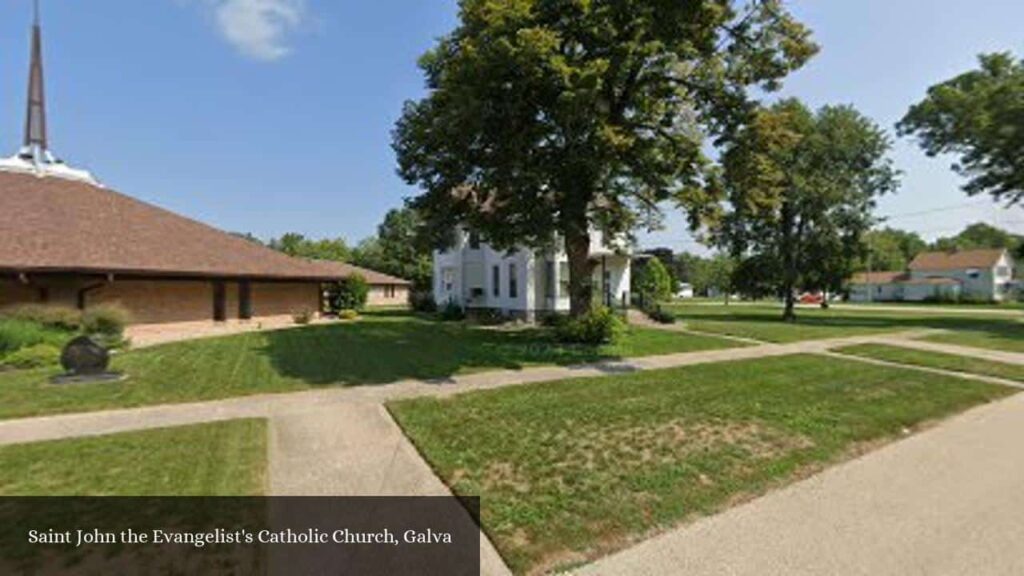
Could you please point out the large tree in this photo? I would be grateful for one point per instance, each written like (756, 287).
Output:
(979, 116)
(551, 118)
(801, 187)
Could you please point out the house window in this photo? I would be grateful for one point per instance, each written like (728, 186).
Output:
(389, 291)
(563, 279)
(549, 279)
(448, 279)
(513, 281)
(973, 273)
(496, 281)
(474, 240)
(1003, 271)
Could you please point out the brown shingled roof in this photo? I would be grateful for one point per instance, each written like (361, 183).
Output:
(957, 260)
(342, 269)
(52, 224)
(878, 277)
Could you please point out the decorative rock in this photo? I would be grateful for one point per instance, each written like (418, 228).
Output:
(83, 357)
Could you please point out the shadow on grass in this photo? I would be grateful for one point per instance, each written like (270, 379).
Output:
(374, 352)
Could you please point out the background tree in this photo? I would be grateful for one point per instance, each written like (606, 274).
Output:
(556, 117)
(298, 245)
(652, 282)
(801, 188)
(667, 258)
(979, 116)
(399, 249)
(980, 235)
(889, 249)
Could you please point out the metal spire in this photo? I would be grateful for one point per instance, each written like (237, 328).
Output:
(35, 119)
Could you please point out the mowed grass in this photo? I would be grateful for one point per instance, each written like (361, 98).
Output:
(571, 470)
(938, 360)
(216, 459)
(1009, 340)
(378, 349)
(764, 322)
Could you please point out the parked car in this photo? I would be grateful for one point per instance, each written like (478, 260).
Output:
(811, 298)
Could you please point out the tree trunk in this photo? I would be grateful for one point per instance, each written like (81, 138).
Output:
(789, 272)
(581, 270)
(789, 314)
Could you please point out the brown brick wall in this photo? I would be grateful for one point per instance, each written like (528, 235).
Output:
(13, 292)
(383, 296)
(153, 301)
(278, 299)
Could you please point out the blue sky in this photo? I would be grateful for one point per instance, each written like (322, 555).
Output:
(272, 116)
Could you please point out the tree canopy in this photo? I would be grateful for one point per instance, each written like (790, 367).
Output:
(890, 249)
(551, 118)
(295, 244)
(398, 249)
(978, 116)
(801, 187)
(980, 235)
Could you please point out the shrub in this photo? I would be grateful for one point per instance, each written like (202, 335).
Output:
(17, 334)
(61, 317)
(105, 320)
(659, 315)
(423, 302)
(653, 282)
(303, 317)
(599, 326)
(348, 314)
(491, 317)
(351, 293)
(452, 312)
(35, 356)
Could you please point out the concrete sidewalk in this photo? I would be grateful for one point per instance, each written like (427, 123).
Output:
(983, 353)
(948, 501)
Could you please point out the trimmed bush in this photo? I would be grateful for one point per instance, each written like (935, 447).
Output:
(599, 326)
(106, 320)
(302, 318)
(452, 312)
(423, 302)
(61, 317)
(348, 314)
(657, 314)
(35, 356)
(351, 293)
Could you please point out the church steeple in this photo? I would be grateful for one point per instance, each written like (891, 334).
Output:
(35, 117)
(35, 156)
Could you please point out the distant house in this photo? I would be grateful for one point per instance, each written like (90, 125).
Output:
(685, 290)
(971, 274)
(523, 283)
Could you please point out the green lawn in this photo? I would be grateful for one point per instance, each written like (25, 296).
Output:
(378, 349)
(570, 470)
(936, 360)
(1010, 340)
(763, 322)
(217, 459)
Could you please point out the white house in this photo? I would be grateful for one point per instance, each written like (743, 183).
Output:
(972, 274)
(524, 283)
